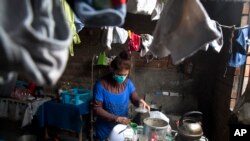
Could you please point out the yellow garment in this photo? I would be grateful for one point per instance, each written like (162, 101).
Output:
(69, 14)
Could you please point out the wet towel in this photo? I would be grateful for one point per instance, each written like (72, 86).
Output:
(99, 13)
(239, 48)
(183, 29)
(34, 41)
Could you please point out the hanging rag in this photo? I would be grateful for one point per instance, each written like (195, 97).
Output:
(239, 48)
(182, 33)
(114, 35)
(216, 44)
(156, 13)
(134, 42)
(107, 37)
(146, 41)
(99, 13)
(70, 17)
(34, 41)
(120, 35)
(145, 7)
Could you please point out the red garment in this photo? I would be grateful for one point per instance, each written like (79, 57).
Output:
(118, 2)
(134, 42)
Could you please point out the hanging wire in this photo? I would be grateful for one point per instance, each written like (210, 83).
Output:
(236, 28)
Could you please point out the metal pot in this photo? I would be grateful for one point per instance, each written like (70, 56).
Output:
(155, 127)
(189, 127)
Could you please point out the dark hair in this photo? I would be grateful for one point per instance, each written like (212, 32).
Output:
(122, 61)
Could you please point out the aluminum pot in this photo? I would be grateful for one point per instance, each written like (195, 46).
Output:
(155, 128)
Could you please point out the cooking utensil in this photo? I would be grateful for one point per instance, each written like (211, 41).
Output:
(189, 126)
(155, 127)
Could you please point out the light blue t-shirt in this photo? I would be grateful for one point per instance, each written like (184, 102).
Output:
(116, 104)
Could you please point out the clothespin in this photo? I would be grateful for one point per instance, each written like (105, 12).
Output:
(129, 33)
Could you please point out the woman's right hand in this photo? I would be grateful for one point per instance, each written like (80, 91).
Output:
(123, 120)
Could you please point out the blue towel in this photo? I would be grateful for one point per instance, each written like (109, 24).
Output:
(239, 49)
(65, 116)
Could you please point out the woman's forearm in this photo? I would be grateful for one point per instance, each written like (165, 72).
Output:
(135, 99)
(99, 111)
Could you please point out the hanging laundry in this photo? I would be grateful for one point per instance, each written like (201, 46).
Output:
(79, 25)
(182, 33)
(34, 41)
(120, 35)
(114, 35)
(70, 17)
(239, 48)
(99, 13)
(145, 7)
(134, 42)
(158, 9)
(146, 41)
(107, 37)
(218, 43)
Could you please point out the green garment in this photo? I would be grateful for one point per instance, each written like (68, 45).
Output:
(69, 14)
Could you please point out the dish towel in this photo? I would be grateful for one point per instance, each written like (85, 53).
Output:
(34, 41)
(182, 30)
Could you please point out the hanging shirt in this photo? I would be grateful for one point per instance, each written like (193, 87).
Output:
(71, 21)
(239, 49)
(109, 105)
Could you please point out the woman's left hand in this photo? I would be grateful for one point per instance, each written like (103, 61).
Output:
(144, 104)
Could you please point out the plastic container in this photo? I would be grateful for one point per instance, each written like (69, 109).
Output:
(75, 96)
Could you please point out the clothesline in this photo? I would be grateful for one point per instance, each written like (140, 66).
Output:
(236, 28)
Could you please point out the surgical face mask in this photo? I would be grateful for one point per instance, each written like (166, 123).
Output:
(119, 78)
